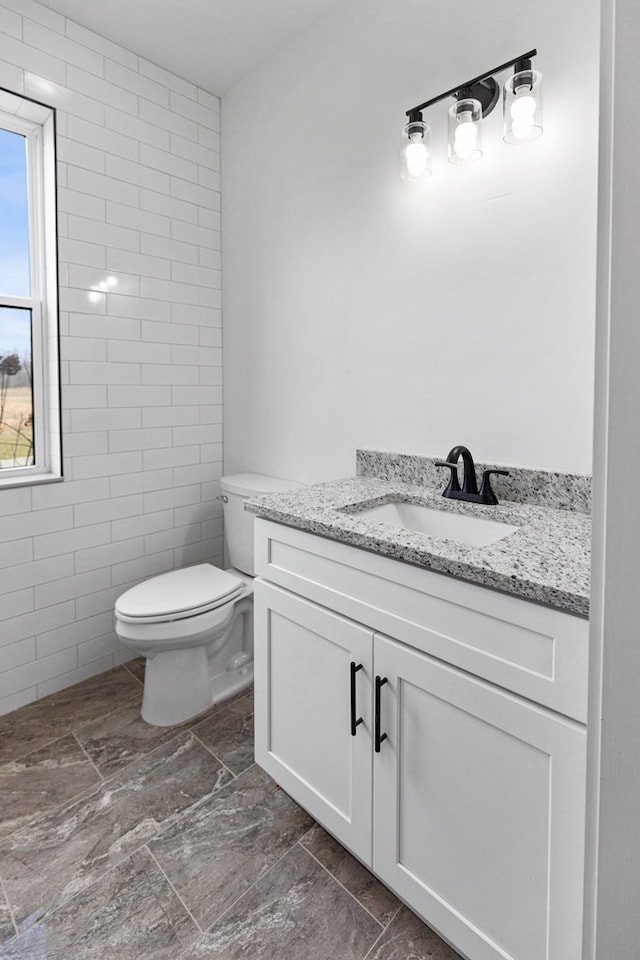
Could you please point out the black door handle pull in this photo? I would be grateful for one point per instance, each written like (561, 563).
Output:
(354, 723)
(379, 738)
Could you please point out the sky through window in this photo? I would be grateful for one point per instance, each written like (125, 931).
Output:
(14, 218)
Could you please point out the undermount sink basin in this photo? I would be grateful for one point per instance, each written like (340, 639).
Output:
(475, 531)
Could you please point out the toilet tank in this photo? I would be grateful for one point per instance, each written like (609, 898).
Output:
(238, 524)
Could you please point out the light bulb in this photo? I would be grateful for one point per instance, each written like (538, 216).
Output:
(465, 131)
(523, 111)
(466, 137)
(523, 107)
(417, 158)
(415, 153)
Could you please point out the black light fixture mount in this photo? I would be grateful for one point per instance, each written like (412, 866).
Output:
(483, 88)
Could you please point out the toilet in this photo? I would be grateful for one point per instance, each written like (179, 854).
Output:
(195, 625)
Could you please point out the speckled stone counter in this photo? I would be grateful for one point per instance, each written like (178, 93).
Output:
(546, 560)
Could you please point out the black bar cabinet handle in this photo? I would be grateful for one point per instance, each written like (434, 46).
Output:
(354, 723)
(380, 682)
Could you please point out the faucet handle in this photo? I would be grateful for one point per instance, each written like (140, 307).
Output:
(486, 491)
(453, 486)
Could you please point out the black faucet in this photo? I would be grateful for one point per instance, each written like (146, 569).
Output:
(469, 490)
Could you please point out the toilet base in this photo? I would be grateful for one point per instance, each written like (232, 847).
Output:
(166, 704)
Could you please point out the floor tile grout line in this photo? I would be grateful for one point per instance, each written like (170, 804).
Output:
(95, 767)
(86, 793)
(307, 832)
(64, 901)
(215, 756)
(127, 668)
(122, 768)
(38, 817)
(68, 730)
(340, 884)
(88, 790)
(70, 801)
(369, 953)
(296, 843)
(251, 886)
(42, 746)
(9, 907)
(373, 946)
(400, 906)
(109, 713)
(180, 898)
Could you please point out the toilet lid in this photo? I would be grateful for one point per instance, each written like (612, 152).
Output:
(180, 592)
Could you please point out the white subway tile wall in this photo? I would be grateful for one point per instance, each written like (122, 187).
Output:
(139, 202)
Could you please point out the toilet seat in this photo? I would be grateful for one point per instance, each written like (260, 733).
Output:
(178, 595)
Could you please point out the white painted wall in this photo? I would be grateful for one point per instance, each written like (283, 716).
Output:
(362, 312)
(141, 370)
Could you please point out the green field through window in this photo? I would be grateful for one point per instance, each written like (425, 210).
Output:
(16, 390)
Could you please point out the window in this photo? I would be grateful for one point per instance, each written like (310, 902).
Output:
(29, 365)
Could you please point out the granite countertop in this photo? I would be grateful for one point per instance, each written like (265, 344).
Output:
(546, 560)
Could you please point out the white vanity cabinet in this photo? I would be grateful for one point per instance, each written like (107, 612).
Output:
(472, 807)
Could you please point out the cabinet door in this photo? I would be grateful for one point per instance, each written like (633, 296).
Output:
(303, 689)
(479, 810)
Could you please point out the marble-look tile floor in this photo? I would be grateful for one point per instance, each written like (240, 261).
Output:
(118, 839)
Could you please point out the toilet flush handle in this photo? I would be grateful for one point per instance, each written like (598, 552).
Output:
(222, 497)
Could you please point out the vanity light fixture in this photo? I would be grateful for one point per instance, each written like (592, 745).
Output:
(522, 109)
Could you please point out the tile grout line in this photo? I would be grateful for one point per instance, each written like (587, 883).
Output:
(340, 884)
(400, 906)
(88, 790)
(9, 907)
(42, 746)
(123, 767)
(226, 910)
(95, 767)
(114, 866)
(103, 716)
(369, 953)
(68, 730)
(63, 901)
(182, 901)
(32, 821)
(125, 665)
(216, 757)
(131, 853)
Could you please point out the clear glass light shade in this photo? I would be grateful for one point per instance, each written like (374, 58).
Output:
(522, 107)
(415, 152)
(465, 131)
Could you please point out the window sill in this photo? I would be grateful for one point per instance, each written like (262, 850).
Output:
(29, 479)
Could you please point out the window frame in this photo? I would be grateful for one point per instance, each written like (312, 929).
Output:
(36, 121)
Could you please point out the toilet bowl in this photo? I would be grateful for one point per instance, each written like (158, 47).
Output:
(195, 625)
